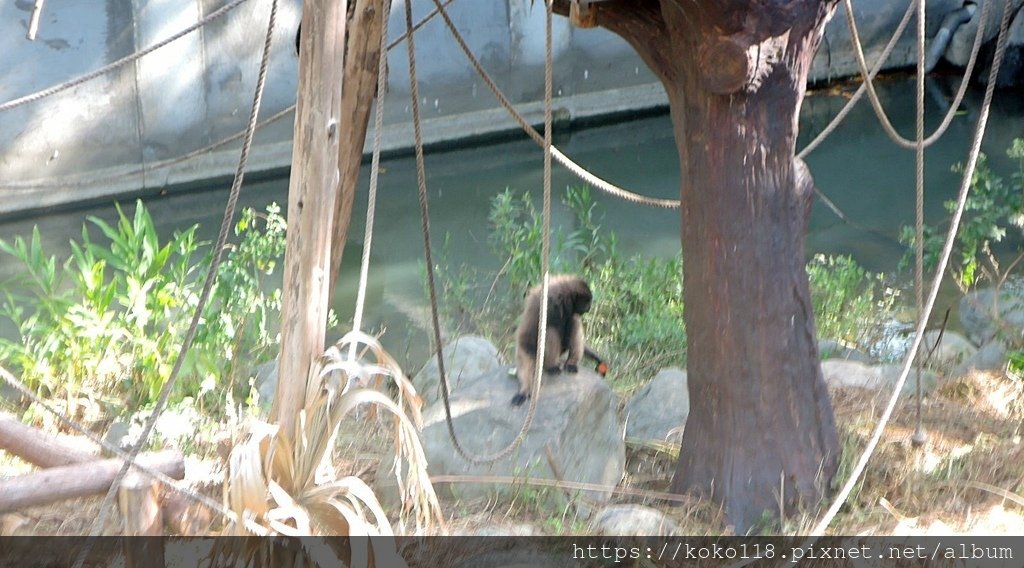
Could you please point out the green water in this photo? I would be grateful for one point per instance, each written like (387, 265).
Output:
(866, 175)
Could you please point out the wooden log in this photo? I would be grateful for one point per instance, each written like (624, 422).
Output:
(312, 192)
(362, 59)
(139, 500)
(79, 480)
(38, 447)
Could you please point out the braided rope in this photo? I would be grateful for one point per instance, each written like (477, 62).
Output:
(573, 167)
(120, 62)
(919, 190)
(545, 249)
(371, 200)
(211, 277)
(876, 104)
(965, 186)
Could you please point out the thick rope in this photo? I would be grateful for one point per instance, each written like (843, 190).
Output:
(211, 277)
(371, 200)
(573, 167)
(876, 104)
(425, 221)
(965, 186)
(120, 62)
(173, 484)
(919, 191)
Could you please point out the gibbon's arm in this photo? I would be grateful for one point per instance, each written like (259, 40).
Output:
(601, 367)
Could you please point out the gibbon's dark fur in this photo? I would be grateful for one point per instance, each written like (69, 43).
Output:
(569, 297)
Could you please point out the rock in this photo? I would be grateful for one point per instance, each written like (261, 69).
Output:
(575, 418)
(850, 374)
(989, 357)
(266, 384)
(832, 349)
(494, 529)
(891, 373)
(959, 50)
(466, 359)
(951, 350)
(984, 318)
(1011, 73)
(633, 520)
(659, 409)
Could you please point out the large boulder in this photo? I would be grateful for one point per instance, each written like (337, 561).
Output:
(659, 410)
(850, 374)
(984, 315)
(632, 520)
(832, 349)
(575, 421)
(989, 357)
(951, 349)
(466, 359)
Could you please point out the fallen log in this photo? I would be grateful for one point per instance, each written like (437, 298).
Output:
(79, 480)
(38, 447)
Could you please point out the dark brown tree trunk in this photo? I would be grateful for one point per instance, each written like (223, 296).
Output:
(761, 435)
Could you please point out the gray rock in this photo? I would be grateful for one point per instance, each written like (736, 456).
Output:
(959, 51)
(951, 350)
(659, 409)
(832, 349)
(850, 374)
(1011, 73)
(891, 373)
(466, 359)
(633, 520)
(984, 317)
(989, 357)
(575, 418)
(494, 529)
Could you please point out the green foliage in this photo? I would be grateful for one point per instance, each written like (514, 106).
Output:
(109, 319)
(850, 303)
(636, 320)
(994, 211)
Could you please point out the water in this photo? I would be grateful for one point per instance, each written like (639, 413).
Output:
(867, 176)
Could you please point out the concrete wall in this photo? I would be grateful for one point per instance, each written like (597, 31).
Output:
(91, 142)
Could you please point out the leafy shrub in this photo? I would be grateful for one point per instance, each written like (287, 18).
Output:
(850, 304)
(110, 319)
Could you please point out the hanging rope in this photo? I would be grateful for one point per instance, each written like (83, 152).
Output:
(876, 104)
(965, 186)
(545, 248)
(211, 277)
(120, 62)
(371, 200)
(573, 167)
(919, 199)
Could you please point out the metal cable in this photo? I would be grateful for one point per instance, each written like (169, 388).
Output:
(211, 276)
(120, 62)
(965, 186)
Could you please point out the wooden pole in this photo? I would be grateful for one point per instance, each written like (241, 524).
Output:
(362, 58)
(37, 447)
(139, 500)
(78, 480)
(311, 203)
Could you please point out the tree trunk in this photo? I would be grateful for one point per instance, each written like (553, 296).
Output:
(760, 436)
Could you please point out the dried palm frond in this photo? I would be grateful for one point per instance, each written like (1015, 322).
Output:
(289, 485)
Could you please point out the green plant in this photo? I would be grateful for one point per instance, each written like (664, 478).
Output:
(993, 211)
(110, 318)
(850, 304)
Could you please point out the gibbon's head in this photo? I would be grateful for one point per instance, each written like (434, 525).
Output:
(583, 297)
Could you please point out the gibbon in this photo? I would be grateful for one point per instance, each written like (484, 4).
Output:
(569, 297)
